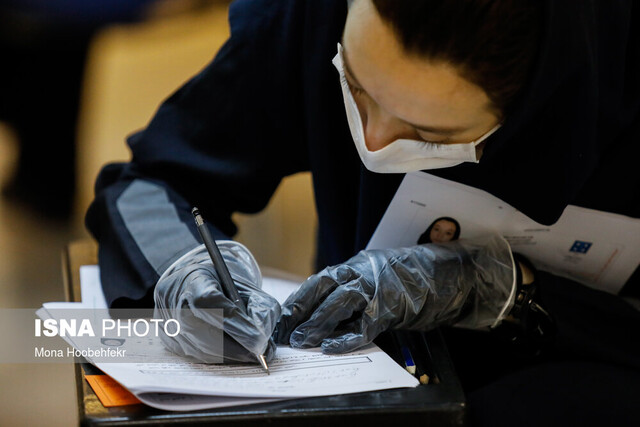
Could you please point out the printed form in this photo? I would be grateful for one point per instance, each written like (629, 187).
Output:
(178, 384)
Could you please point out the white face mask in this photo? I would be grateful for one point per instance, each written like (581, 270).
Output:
(402, 155)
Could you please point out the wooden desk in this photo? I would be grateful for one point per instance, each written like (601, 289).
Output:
(426, 405)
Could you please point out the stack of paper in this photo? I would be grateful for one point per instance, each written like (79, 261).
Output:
(175, 383)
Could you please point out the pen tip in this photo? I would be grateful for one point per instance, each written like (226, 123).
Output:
(195, 211)
(263, 362)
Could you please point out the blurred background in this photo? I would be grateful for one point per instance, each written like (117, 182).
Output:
(75, 80)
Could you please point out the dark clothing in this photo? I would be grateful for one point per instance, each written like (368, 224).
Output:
(270, 105)
(588, 376)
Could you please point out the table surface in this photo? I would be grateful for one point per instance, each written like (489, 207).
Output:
(440, 404)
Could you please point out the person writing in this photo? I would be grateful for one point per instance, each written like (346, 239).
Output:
(536, 102)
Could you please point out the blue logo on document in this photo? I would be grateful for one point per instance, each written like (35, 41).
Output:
(580, 247)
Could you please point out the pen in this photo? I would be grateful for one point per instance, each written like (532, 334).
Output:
(409, 364)
(421, 357)
(412, 357)
(229, 288)
(403, 351)
(421, 371)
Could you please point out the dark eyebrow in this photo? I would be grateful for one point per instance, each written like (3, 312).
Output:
(430, 129)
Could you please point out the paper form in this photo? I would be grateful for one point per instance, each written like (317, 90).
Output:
(179, 385)
(294, 373)
(193, 402)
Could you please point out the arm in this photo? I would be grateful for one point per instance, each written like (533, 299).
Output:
(471, 282)
(222, 142)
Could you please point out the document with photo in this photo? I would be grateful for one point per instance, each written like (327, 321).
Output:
(597, 249)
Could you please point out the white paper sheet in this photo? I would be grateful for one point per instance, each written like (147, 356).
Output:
(193, 402)
(294, 373)
(280, 289)
(180, 385)
(598, 249)
(90, 287)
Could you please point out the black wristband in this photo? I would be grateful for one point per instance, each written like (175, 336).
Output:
(528, 325)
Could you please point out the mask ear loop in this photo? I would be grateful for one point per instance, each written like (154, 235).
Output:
(488, 134)
(477, 142)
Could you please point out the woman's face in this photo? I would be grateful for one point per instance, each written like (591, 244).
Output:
(400, 95)
(442, 231)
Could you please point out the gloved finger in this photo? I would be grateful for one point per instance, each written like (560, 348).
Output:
(237, 353)
(260, 309)
(247, 332)
(207, 312)
(340, 305)
(347, 342)
(229, 352)
(201, 333)
(214, 328)
(208, 344)
(246, 268)
(240, 262)
(270, 352)
(299, 306)
(263, 308)
(254, 328)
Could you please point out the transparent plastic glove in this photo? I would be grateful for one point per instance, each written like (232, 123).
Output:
(344, 307)
(190, 289)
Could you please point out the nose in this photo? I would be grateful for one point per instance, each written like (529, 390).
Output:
(381, 128)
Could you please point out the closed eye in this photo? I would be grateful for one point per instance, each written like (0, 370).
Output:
(356, 90)
(440, 141)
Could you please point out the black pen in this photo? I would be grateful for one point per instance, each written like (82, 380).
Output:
(226, 281)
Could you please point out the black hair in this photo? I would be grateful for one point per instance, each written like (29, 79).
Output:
(426, 236)
(492, 42)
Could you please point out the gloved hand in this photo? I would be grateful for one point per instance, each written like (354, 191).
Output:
(344, 307)
(213, 328)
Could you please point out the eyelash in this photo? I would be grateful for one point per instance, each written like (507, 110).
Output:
(356, 90)
(353, 88)
(434, 142)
